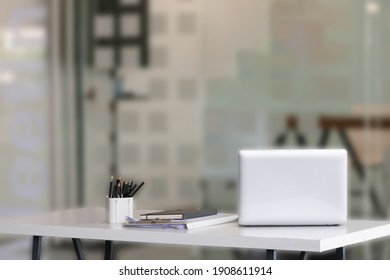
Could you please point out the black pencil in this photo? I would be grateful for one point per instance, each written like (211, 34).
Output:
(124, 188)
(136, 189)
(131, 186)
(110, 191)
(127, 192)
(127, 189)
(119, 190)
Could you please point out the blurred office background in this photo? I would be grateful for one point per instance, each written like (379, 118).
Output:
(168, 91)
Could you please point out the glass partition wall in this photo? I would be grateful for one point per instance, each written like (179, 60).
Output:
(24, 116)
(170, 90)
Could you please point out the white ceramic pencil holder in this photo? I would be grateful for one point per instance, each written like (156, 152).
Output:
(117, 209)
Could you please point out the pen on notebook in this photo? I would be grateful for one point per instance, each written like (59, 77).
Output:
(136, 189)
(110, 191)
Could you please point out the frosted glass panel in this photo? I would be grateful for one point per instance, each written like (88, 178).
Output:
(284, 55)
(24, 114)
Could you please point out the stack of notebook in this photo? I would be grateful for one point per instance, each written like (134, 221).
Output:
(180, 219)
(178, 214)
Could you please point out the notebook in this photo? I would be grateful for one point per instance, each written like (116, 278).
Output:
(292, 187)
(219, 218)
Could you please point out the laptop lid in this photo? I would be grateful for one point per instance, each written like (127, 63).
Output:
(292, 187)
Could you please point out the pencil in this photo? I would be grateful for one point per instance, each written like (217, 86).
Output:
(124, 188)
(127, 190)
(110, 191)
(136, 189)
(119, 190)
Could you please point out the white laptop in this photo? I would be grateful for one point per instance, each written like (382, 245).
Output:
(292, 187)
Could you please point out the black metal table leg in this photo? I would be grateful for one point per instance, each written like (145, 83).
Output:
(109, 250)
(304, 255)
(270, 255)
(340, 253)
(78, 246)
(36, 247)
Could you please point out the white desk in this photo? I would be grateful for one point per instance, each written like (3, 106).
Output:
(89, 223)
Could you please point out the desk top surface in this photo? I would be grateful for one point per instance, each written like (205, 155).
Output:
(88, 223)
